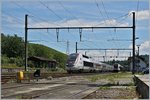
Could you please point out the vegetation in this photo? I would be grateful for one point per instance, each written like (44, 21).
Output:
(123, 63)
(109, 77)
(46, 52)
(126, 63)
(13, 51)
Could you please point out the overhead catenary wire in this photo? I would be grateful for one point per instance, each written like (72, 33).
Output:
(21, 32)
(108, 19)
(31, 13)
(119, 22)
(122, 17)
(50, 10)
(105, 21)
(100, 12)
(14, 17)
(137, 9)
(49, 38)
(18, 19)
(73, 16)
(105, 9)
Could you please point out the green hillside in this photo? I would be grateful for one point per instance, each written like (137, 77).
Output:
(46, 52)
(13, 52)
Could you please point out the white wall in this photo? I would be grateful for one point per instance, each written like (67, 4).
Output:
(142, 64)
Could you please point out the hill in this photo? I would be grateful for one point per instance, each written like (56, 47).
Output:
(13, 51)
(46, 52)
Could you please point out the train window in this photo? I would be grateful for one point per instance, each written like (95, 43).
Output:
(85, 56)
(73, 56)
(88, 64)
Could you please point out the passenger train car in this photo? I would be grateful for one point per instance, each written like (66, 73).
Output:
(78, 62)
(117, 67)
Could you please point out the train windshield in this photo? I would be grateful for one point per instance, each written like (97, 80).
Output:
(73, 57)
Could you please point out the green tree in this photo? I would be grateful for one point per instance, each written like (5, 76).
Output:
(13, 51)
(12, 46)
(61, 59)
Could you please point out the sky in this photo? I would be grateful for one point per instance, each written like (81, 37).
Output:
(79, 13)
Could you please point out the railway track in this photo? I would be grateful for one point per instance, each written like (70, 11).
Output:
(43, 90)
(15, 86)
(33, 94)
(75, 86)
(5, 78)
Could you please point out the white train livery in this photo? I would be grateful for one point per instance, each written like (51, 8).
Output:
(78, 62)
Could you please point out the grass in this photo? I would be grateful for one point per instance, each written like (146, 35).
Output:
(10, 66)
(109, 77)
(104, 87)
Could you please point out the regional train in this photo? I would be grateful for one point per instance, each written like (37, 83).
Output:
(78, 62)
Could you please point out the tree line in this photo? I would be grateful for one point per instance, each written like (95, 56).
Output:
(13, 51)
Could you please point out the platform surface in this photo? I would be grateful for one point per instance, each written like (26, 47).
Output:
(144, 78)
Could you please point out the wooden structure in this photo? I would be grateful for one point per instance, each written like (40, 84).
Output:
(40, 62)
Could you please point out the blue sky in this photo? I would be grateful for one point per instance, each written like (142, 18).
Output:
(58, 13)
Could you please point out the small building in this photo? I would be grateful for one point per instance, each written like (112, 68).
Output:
(40, 62)
(140, 64)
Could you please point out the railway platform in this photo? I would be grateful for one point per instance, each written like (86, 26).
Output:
(142, 85)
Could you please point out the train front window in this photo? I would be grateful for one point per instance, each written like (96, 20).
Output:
(73, 57)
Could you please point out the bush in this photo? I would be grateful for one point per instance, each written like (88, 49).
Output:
(19, 62)
(4, 60)
(12, 60)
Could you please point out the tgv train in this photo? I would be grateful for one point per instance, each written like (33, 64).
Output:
(78, 62)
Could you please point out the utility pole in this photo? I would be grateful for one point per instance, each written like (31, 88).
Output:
(26, 40)
(76, 47)
(105, 56)
(138, 50)
(85, 52)
(130, 54)
(67, 50)
(117, 52)
(133, 62)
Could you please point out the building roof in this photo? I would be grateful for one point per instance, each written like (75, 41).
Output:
(136, 58)
(42, 59)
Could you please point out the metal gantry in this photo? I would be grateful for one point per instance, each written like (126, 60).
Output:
(113, 49)
(80, 32)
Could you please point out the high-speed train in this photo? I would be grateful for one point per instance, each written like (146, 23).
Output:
(78, 62)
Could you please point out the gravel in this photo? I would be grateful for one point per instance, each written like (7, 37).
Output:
(114, 93)
(121, 87)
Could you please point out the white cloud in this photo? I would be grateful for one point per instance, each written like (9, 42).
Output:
(79, 22)
(113, 22)
(12, 22)
(142, 15)
(144, 47)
